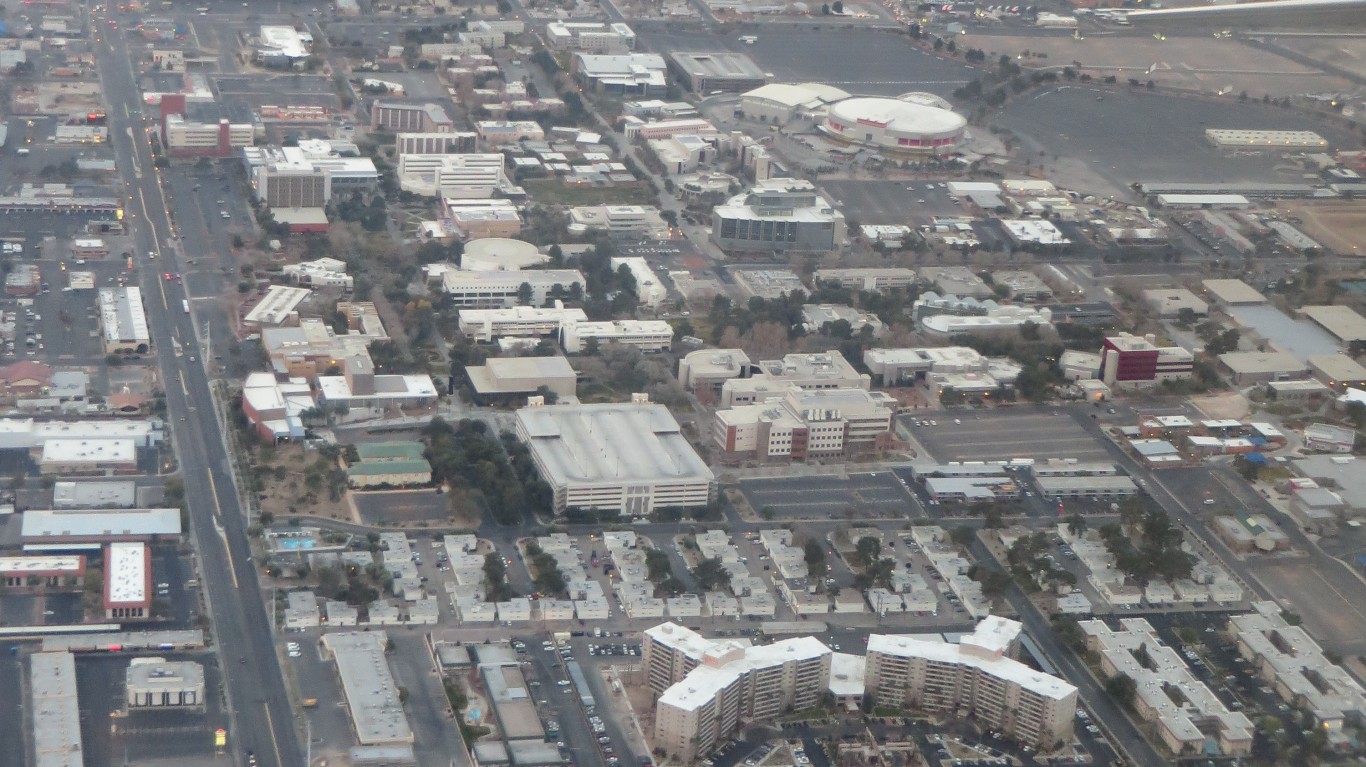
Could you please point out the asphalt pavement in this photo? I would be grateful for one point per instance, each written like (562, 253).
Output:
(260, 718)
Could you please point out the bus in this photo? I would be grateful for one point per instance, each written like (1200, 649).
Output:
(185, 304)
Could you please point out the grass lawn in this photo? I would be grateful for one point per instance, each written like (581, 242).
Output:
(552, 191)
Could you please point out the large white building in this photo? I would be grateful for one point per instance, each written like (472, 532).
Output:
(500, 289)
(977, 674)
(728, 685)
(804, 424)
(646, 335)
(914, 122)
(649, 289)
(781, 102)
(307, 175)
(625, 457)
(123, 320)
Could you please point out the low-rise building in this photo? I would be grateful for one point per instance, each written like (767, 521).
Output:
(518, 321)
(123, 321)
(1256, 367)
(503, 379)
(777, 215)
(389, 464)
(871, 279)
(278, 307)
(591, 37)
(1167, 693)
(502, 289)
(1128, 361)
(646, 335)
(1328, 438)
(818, 318)
(372, 697)
(630, 74)
(159, 683)
(1289, 660)
(127, 581)
(1338, 371)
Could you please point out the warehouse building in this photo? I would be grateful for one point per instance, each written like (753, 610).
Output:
(57, 529)
(372, 697)
(629, 74)
(54, 710)
(1342, 322)
(1170, 302)
(1232, 293)
(159, 683)
(1273, 140)
(780, 103)
(123, 321)
(1253, 367)
(624, 457)
(1098, 487)
(704, 73)
(978, 674)
(1338, 372)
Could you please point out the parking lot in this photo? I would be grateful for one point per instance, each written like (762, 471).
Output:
(389, 507)
(892, 202)
(1127, 136)
(871, 495)
(870, 62)
(1005, 435)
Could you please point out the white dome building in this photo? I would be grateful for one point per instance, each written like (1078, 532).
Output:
(500, 254)
(912, 122)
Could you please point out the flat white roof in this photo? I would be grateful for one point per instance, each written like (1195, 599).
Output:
(122, 315)
(1008, 669)
(371, 694)
(846, 674)
(125, 572)
(40, 564)
(703, 683)
(55, 714)
(93, 451)
(613, 443)
(85, 523)
(277, 305)
(1342, 321)
(77, 495)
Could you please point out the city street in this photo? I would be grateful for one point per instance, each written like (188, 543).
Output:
(261, 718)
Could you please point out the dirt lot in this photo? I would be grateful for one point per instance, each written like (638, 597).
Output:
(1208, 65)
(1339, 226)
(288, 486)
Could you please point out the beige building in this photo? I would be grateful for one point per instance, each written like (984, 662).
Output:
(976, 678)
(1185, 712)
(504, 378)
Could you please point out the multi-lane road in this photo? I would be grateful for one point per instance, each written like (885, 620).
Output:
(262, 720)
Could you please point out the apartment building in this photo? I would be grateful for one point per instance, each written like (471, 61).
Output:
(590, 37)
(1185, 712)
(976, 677)
(732, 685)
(1294, 665)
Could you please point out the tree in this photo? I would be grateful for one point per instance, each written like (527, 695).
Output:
(825, 9)
(962, 535)
(711, 575)
(550, 396)
(837, 6)
(524, 294)
(1122, 688)
(866, 551)
(657, 565)
(814, 555)
(1076, 524)
(995, 519)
